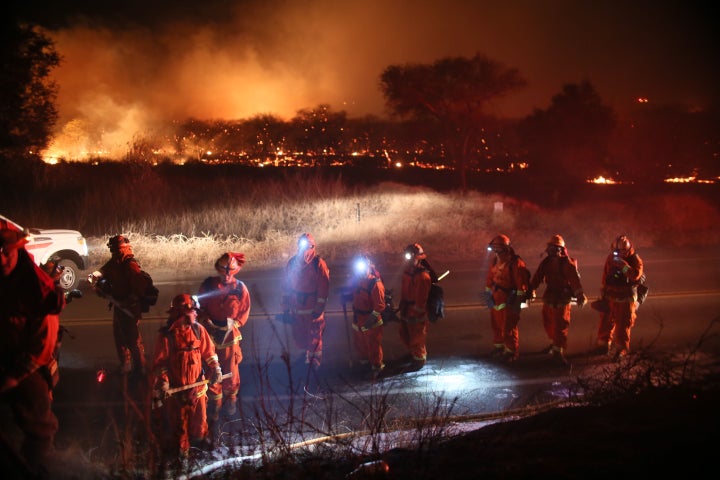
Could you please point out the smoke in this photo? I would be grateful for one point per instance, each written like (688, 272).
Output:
(120, 82)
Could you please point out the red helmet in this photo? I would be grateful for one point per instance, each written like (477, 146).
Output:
(116, 242)
(306, 242)
(622, 246)
(414, 251)
(556, 241)
(230, 263)
(11, 236)
(499, 243)
(182, 304)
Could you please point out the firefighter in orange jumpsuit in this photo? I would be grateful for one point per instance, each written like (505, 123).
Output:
(29, 324)
(368, 301)
(559, 271)
(224, 310)
(622, 273)
(416, 282)
(305, 289)
(181, 348)
(124, 285)
(505, 291)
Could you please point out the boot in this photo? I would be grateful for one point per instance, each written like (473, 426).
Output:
(230, 407)
(558, 358)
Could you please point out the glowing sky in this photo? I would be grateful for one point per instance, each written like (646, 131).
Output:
(129, 68)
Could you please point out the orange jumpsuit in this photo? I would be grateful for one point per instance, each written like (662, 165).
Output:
(225, 310)
(508, 289)
(181, 348)
(560, 274)
(368, 303)
(127, 287)
(620, 278)
(305, 290)
(415, 289)
(29, 324)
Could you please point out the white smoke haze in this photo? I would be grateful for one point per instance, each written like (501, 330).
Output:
(122, 79)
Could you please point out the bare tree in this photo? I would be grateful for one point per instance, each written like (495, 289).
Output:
(452, 92)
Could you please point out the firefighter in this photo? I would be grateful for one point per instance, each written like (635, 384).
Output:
(506, 288)
(225, 308)
(123, 283)
(416, 281)
(29, 322)
(559, 271)
(182, 347)
(305, 289)
(368, 301)
(622, 273)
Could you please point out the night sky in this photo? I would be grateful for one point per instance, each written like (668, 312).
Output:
(135, 64)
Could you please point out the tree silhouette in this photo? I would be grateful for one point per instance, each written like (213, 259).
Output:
(569, 141)
(451, 92)
(27, 95)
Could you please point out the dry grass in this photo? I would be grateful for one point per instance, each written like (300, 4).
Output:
(383, 219)
(185, 217)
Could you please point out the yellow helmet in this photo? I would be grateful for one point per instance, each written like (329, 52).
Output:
(556, 241)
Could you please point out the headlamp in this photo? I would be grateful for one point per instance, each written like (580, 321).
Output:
(361, 266)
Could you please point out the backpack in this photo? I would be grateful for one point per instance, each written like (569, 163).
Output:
(642, 289)
(514, 300)
(435, 306)
(436, 303)
(150, 293)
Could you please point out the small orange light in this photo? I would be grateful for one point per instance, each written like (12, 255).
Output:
(100, 375)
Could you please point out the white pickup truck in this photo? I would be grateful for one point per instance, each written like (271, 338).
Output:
(69, 246)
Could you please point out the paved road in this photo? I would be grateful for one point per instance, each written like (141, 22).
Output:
(459, 379)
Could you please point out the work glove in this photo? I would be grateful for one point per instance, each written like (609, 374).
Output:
(162, 390)
(489, 302)
(216, 376)
(73, 294)
(581, 300)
